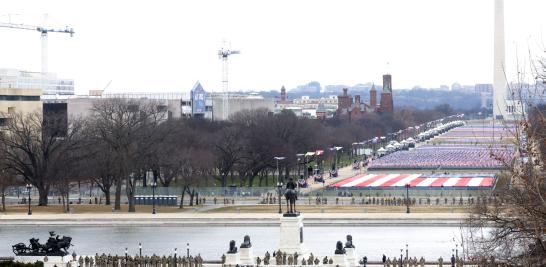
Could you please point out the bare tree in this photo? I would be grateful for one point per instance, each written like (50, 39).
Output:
(125, 126)
(227, 148)
(36, 149)
(7, 178)
(100, 168)
(515, 221)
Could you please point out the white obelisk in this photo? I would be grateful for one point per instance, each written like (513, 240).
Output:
(499, 78)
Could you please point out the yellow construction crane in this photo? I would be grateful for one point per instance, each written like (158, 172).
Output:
(44, 31)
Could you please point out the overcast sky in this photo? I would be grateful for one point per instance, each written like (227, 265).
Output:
(169, 45)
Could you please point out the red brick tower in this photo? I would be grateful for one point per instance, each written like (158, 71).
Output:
(386, 104)
(373, 98)
(344, 101)
(283, 94)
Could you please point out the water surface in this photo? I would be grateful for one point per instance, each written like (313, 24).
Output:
(212, 242)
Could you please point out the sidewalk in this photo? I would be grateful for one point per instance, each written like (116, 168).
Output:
(343, 173)
(235, 219)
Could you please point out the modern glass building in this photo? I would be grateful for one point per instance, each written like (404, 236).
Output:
(49, 83)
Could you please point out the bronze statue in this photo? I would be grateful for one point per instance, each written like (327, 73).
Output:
(232, 247)
(246, 243)
(339, 248)
(349, 243)
(291, 196)
(55, 246)
(325, 260)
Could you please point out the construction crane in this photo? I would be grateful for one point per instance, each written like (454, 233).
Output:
(44, 31)
(223, 54)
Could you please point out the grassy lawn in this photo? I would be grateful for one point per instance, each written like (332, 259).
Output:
(271, 180)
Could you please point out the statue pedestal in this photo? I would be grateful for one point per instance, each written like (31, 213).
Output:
(340, 259)
(246, 256)
(59, 261)
(291, 235)
(352, 257)
(233, 259)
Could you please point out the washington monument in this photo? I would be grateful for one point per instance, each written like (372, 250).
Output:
(503, 106)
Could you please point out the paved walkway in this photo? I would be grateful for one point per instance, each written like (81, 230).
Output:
(94, 216)
(235, 219)
(343, 173)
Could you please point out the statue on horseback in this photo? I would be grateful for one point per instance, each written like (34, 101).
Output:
(55, 246)
(291, 196)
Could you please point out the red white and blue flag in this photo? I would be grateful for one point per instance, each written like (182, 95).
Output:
(418, 180)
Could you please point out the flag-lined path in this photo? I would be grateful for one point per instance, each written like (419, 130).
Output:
(417, 180)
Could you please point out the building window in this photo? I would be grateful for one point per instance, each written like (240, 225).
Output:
(161, 108)
(19, 98)
(11, 110)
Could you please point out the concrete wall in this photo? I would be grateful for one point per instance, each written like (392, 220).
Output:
(23, 106)
(237, 104)
(81, 107)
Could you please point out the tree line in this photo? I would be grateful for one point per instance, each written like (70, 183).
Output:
(122, 141)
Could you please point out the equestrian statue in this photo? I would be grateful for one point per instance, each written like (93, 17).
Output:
(291, 196)
(55, 246)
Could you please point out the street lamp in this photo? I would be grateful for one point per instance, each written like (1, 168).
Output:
(29, 187)
(407, 198)
(175, 257)
(401, 256)
(279, 184)
(154, 185)
(299, 159)
(335, 156)
(278, 173)
(279, 187)
(150, 175)
(126, 252)
(407, 252)
(140, 249)
(456, 251)
(187, 250)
